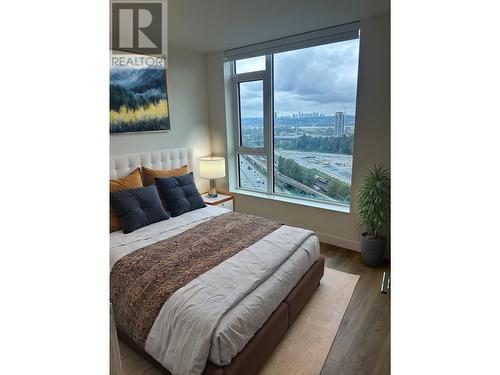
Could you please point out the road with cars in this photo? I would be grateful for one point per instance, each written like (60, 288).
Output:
(251, 177)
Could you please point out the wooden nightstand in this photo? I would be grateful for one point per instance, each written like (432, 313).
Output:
(221, 200)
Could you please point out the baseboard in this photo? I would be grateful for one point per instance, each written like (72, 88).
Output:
(340, 242)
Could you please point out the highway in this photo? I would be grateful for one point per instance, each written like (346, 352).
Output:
(253, 178)
(250, 176)
(301, 186)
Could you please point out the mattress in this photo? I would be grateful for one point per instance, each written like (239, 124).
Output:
(241, 321)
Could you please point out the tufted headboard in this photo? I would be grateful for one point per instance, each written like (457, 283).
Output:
(122, 165)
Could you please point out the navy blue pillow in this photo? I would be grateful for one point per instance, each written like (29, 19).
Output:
(138, 207)
(179, 194)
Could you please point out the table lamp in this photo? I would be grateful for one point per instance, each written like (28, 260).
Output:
(212, 167)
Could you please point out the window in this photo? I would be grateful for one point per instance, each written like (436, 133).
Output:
(251, 113)
(252, 64)
(295, 117)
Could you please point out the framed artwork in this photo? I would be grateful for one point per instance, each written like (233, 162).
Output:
(138, 100)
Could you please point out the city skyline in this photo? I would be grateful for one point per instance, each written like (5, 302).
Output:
(306, 114)
(288, 126)
(298, 115)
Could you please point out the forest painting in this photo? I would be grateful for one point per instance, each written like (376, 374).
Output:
(138, 100)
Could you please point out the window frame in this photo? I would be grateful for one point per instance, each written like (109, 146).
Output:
(266, 77)
(333, 35)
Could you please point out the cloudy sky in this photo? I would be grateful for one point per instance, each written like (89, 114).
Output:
(317, 79)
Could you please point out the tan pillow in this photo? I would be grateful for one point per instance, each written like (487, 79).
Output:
(133, 180)
(151, 174)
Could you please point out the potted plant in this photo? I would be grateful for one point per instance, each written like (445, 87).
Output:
(373, 199)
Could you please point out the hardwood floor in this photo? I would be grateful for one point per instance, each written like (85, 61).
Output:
(362, 344)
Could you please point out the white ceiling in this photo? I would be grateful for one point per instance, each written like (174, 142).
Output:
(213, 25)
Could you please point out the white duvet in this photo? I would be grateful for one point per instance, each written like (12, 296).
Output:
(215, 315)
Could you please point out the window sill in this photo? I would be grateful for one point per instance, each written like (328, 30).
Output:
(301, 202)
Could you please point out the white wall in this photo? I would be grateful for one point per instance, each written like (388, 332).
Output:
(187, 94)
(371, 142)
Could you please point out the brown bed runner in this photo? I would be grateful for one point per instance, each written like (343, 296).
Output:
(143, 280)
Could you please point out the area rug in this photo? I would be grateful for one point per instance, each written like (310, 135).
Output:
(305, 346)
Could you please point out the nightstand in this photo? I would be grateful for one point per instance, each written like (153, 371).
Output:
(221, 200)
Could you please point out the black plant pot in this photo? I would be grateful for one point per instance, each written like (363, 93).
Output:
(372, 250)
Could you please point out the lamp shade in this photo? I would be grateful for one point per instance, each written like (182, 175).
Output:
(212, 167)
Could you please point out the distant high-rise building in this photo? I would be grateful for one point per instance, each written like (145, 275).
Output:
(339, 123)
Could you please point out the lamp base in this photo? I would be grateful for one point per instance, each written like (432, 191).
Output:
(212, 193)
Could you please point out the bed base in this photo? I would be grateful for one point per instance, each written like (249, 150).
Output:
(260, 347)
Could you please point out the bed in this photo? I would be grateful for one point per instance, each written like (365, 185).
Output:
(209, 291)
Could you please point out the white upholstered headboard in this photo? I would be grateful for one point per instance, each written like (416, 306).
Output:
(122, 165)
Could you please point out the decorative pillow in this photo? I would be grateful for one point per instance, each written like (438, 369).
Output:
(137, 208)
(179, 194)
(133, 180)
(151, 174)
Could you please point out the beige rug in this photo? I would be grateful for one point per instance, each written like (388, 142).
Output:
(306, 344)
(304, 348)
